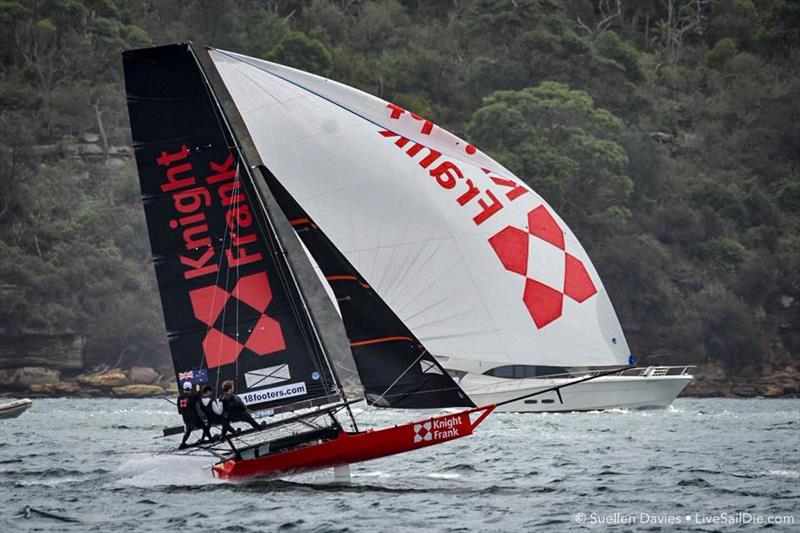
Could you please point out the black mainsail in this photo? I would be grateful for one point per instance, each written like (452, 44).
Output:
(231, 305)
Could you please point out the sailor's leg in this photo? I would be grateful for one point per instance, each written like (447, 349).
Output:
(226, 428)
(186, 432)
(206, 432)
(247, 417)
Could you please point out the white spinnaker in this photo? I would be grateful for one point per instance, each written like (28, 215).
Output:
(408, 235)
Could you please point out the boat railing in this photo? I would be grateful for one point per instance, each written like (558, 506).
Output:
(648, 371)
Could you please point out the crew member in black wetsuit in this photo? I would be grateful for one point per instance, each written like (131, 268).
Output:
(189, 408)
(234, 408)
(212, 408)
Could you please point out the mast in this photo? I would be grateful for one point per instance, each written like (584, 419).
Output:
(321, 316)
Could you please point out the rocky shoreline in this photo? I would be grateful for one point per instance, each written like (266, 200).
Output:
(42, 382)
(145, 382)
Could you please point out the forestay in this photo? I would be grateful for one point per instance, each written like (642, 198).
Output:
(473, 261)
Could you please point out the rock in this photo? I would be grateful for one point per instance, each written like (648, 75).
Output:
(62, 388)
(143, 374)
(90, 137)
(120, 151)
(705, 388)
(5, 377)
(172, 388)
(786, 301)
(743, 390)
(62, 351)
(40, 388)
(89, 150)
(661, 137)
(35, 375)
(111, 378)
(692, 140)
(771, 391)
(139, 391)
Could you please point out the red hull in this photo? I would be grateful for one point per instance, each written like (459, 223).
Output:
(356, 447)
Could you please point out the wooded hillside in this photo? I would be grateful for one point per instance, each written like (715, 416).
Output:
(665, 132)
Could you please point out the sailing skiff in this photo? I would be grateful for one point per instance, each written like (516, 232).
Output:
(317, 245)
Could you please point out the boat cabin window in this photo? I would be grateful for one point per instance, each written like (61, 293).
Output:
(524, 371)
(531, 401)
(548, 401)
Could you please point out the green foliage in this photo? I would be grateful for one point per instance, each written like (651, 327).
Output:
(300, 51)
(611, 46)
(721, 53)
(671, 148)
(559, 142)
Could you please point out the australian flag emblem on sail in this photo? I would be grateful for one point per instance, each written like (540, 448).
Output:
(195, 376)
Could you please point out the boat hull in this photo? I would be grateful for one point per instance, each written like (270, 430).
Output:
(14, 409)
(354, 447)
(610, 392)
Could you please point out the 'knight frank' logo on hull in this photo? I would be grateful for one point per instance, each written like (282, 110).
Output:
(550, 271)
(438, 429)
(265, 337)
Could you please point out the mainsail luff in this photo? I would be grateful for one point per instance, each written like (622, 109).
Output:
(216, 278)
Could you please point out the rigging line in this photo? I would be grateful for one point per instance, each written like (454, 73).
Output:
(408, 262)
(224, 311)
(423, 352)
(216, 284)
(235, 191)
(451, 317)
(395, 245)
(417, 266)
(426, 391)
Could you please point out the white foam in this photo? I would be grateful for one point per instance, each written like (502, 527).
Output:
(794, 474)
(444, 475)
(162, 470)
(376, 473)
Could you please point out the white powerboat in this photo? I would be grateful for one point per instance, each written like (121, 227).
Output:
(15, 408)
(635, 388)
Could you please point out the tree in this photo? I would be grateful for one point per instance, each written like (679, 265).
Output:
(560, 143)
(298, 50)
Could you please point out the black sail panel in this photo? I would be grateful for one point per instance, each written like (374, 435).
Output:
(395, 368)
(229, 310)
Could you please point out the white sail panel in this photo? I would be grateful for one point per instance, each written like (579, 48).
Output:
(476, 264)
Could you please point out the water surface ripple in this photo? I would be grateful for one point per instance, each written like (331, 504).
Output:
(93, 465)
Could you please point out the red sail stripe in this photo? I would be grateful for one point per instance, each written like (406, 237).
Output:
(380, 339)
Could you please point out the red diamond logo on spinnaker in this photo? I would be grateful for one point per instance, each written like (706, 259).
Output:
(539, 254)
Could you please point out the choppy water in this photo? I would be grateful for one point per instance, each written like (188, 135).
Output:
(94, 465)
